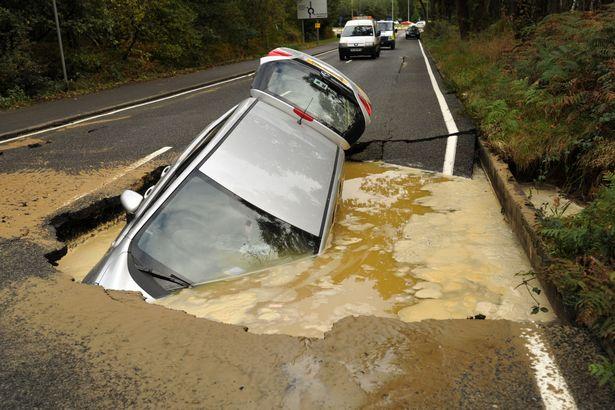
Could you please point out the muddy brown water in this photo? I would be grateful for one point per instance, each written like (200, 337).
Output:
(406, 244)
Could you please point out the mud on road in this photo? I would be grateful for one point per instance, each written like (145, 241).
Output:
(68, 344)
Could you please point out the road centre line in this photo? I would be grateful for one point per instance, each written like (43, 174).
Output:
(449, 121)
(552, 385)
(130, 168)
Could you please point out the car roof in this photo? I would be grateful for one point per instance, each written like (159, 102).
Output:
(359, 22)
(277, 165)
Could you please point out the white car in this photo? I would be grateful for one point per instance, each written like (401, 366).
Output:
(359, 37)
(258, 187)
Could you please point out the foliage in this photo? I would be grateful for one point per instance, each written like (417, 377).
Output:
(112, 41)
(544, 103)
(584, 268)
(604, 371)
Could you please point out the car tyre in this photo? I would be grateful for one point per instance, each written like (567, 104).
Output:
(343, 56)
(393, 46)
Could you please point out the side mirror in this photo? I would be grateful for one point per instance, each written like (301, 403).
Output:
(130, 201)
(378, 33)
(339, 35)
(395, 30)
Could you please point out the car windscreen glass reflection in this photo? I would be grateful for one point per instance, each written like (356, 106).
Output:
(358, 31)
(206, 233)
(385, 26)
(305, 89)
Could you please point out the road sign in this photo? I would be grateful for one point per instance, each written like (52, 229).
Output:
(317, 25)
(311, 9)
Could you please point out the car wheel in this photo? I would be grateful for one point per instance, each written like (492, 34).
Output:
(393, 46)
(342, 56)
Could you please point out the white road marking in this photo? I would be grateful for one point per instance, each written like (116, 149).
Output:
(325, 52)
(451, 142)
(349, 61)
(552, 385)
(130, 168)
(105, 114)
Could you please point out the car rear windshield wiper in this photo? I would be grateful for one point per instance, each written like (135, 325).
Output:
(175, 278)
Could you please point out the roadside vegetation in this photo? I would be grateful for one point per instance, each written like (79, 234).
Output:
(109, 42)
(541, 87)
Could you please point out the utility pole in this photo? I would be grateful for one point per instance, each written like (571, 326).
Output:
(55, 12)
(408, 19)
(392, 16)
(351, 10)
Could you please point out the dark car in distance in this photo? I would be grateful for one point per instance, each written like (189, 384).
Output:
(413, 32)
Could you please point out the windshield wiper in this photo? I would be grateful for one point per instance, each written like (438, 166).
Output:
(175, 278)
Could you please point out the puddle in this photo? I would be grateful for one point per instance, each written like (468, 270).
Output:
(406, 244)
(86, 250)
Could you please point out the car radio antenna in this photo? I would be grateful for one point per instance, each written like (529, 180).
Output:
(305, 111)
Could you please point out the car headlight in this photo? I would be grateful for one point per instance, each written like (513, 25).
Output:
(369, 43)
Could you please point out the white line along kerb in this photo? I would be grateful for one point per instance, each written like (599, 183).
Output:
(105, 114)
(451, 142)
(552, 385)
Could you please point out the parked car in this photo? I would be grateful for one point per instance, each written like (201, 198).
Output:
(258, 187)
(359, 37)
(388, 33)
(413, 32)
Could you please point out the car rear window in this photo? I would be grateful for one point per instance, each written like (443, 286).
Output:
(385, 26)
(357, 31)
(306, 88)
(206, 233)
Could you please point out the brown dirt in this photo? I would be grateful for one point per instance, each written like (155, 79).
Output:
(168, 358)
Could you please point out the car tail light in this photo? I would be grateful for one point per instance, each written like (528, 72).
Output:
(279, 53)
(303, 114)
(367, 105)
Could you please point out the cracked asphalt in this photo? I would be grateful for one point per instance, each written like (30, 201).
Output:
(69, 345)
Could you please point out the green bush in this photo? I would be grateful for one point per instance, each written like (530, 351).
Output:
(545, 102)
(584, 268)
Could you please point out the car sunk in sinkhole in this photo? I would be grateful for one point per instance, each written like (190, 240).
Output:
(258, 187)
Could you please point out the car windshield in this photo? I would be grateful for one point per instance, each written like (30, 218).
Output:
(204, 233)
(306, 89)
(385, 26)
(357, 31)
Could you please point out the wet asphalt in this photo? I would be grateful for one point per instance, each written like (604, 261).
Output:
(405, 110)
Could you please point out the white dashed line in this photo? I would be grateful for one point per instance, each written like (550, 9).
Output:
(552, 385)
(130, 168)
(451, 142)
(349, 61)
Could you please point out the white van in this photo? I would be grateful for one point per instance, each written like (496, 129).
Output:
(359, 37)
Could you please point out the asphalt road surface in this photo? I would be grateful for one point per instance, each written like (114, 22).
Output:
(405, 110)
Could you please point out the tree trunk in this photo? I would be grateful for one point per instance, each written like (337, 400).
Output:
(423, 10)
(463, 20)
